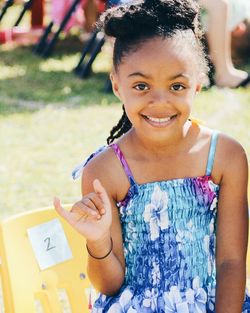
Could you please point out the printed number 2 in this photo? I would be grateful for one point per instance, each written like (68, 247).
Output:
(49, 247)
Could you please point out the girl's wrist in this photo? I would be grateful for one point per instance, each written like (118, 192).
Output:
(101, 247)
(103, 256)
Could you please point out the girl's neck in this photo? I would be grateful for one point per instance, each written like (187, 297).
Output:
(158, 148)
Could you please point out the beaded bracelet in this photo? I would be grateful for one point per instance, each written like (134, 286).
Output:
(103, 257)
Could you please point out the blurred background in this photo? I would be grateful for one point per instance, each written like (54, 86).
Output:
(55, 110)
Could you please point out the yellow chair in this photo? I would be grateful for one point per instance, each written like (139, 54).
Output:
(28, 288)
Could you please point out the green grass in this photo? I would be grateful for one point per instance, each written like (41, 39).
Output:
(50, 120)
(27, 77)
(39, 150)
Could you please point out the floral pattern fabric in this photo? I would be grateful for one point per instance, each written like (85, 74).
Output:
(169, 240)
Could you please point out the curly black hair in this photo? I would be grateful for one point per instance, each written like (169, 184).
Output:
(133, 23)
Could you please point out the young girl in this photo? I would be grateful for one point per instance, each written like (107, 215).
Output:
(164, 208)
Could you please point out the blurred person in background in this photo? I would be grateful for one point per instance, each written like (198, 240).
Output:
(224, 17)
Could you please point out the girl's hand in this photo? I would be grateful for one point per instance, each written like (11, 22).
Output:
(92, 216)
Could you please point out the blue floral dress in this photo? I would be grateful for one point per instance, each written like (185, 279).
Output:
(169, 236)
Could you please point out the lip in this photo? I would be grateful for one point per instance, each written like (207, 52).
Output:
(159, 121)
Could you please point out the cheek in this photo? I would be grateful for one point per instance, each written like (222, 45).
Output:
(126, 95)
(132, 101)
(132, 109)
(185, 104)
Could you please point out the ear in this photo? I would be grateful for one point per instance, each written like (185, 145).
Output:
(115, 85)
(202, 81)
(198, 88)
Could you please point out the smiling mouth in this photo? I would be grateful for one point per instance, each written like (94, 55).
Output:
(158, 120)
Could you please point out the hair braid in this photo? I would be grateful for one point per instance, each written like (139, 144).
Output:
(121, 128)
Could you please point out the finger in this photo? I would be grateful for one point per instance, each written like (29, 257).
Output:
(99, 189)
(59, 209)
(72, 215)
(94, 201)
(83, 208)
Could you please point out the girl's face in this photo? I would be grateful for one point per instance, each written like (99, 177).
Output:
(157, 84)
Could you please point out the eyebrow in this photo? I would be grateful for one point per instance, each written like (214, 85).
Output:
(139, 74)
(149, 77)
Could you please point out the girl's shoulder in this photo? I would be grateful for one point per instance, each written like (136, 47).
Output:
(229, 153)
(101, 162)
(105, 166)
(225, 142)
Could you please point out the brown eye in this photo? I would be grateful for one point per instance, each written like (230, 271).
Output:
(141, 87)
(177, 87)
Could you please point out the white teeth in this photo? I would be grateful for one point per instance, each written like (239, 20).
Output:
(159, 120)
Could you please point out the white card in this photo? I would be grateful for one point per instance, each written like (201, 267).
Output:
(49, 243)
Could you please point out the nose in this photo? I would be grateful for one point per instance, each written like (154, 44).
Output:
(160, 97)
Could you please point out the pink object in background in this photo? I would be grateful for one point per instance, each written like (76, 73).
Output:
(60, 7)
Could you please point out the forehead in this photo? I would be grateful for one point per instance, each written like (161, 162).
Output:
(161, 55)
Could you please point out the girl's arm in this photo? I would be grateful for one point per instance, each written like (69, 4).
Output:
(96, 217)
(232, 228)
(106, 275)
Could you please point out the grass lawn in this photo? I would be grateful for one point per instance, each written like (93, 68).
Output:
(50, 120)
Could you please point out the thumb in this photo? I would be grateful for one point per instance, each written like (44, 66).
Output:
(100, 190)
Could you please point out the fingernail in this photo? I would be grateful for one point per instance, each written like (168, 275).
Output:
(93, 213)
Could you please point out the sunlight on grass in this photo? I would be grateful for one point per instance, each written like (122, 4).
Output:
(103, 62)
(12, 71)
(226, 110)
(65, 64)
(39, 151)
(206, 103)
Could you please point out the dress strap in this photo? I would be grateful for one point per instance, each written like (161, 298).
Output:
(211, 155)
(123, 161)
(78, 170)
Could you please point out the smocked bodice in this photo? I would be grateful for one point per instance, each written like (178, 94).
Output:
(169, 227)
